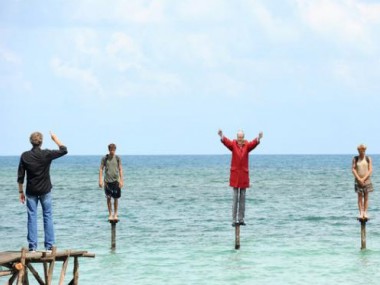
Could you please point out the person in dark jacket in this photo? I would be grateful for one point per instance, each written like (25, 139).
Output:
(35, 163)
(239, 174)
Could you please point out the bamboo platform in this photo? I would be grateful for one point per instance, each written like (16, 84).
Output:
(18, 264)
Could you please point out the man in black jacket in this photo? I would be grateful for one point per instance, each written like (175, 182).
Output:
(36, 164)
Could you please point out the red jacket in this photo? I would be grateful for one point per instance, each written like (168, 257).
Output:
(239, 176)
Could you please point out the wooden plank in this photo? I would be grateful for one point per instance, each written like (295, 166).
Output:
(5, 273)
(13, 259)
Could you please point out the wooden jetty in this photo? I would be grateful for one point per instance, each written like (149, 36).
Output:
(113, 233)
(363, 222)
(18, 264)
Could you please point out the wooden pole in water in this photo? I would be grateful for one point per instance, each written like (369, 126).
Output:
(113, 233)
(237, 236)
(363, 222)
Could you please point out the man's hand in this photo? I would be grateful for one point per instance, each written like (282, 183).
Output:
(55, 138)
(220, 133)
(100, 184)
(22, 198)
(121, 184)
(260, 135)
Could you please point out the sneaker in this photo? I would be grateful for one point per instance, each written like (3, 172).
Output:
(242, 223)
(31, 250)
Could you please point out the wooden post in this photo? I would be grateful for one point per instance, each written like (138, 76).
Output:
(76, 270)
(237, 236)
(113, 233)
(22, 271)
(35, 274)
(64, 267)
(363, 222)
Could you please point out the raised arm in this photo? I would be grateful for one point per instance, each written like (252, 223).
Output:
(55, 139)
(255, 142)
(225, 141)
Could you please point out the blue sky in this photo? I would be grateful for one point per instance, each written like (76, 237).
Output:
(162, 76)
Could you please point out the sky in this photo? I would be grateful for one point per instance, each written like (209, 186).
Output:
(162, 76)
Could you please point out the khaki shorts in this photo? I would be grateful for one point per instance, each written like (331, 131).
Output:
(368, 187)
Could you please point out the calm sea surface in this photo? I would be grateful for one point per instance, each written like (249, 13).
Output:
(175, 226)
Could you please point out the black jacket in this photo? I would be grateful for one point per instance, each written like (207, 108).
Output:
(36, 164)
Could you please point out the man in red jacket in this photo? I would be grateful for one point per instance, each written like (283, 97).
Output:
(239, 175)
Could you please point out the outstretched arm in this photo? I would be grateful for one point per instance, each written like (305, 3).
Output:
(254, 143)
(55, 139)
(225, 140)
(220, 133)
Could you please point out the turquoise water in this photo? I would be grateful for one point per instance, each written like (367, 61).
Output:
(175, 216)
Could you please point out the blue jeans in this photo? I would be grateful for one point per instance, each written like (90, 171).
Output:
(32, 205)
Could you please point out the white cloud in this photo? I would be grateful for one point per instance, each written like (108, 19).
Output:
(349, 21)
(136, 11)
(124, 52)
(9, 56)
(83, 76)
(201, 48)
(87, 41)
(276, 28)
(200, 10)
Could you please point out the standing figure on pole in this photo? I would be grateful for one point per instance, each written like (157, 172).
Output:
(113, 180)
(239, 174)
(362, 171)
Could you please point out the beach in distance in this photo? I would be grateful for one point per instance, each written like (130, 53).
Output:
(175, 221)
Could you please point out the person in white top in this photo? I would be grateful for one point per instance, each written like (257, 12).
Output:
(362, 171)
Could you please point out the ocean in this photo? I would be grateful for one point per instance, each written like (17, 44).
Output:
(175, 221)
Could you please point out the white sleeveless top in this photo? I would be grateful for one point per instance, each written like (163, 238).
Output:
(362, 167)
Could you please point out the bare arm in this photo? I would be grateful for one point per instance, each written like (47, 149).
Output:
(121, 182)
(55, 139)
(369, 173)
(359, 179)
(21, 192)
(101, 175)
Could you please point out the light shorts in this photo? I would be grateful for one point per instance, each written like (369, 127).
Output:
(368, 187)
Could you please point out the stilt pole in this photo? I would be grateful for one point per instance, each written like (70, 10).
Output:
(237, 236)
(363, 222)
(113, 233)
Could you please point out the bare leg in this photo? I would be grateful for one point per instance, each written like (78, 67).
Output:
(366, 205)
(115, 204)
(360, 205)
(109, 208)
